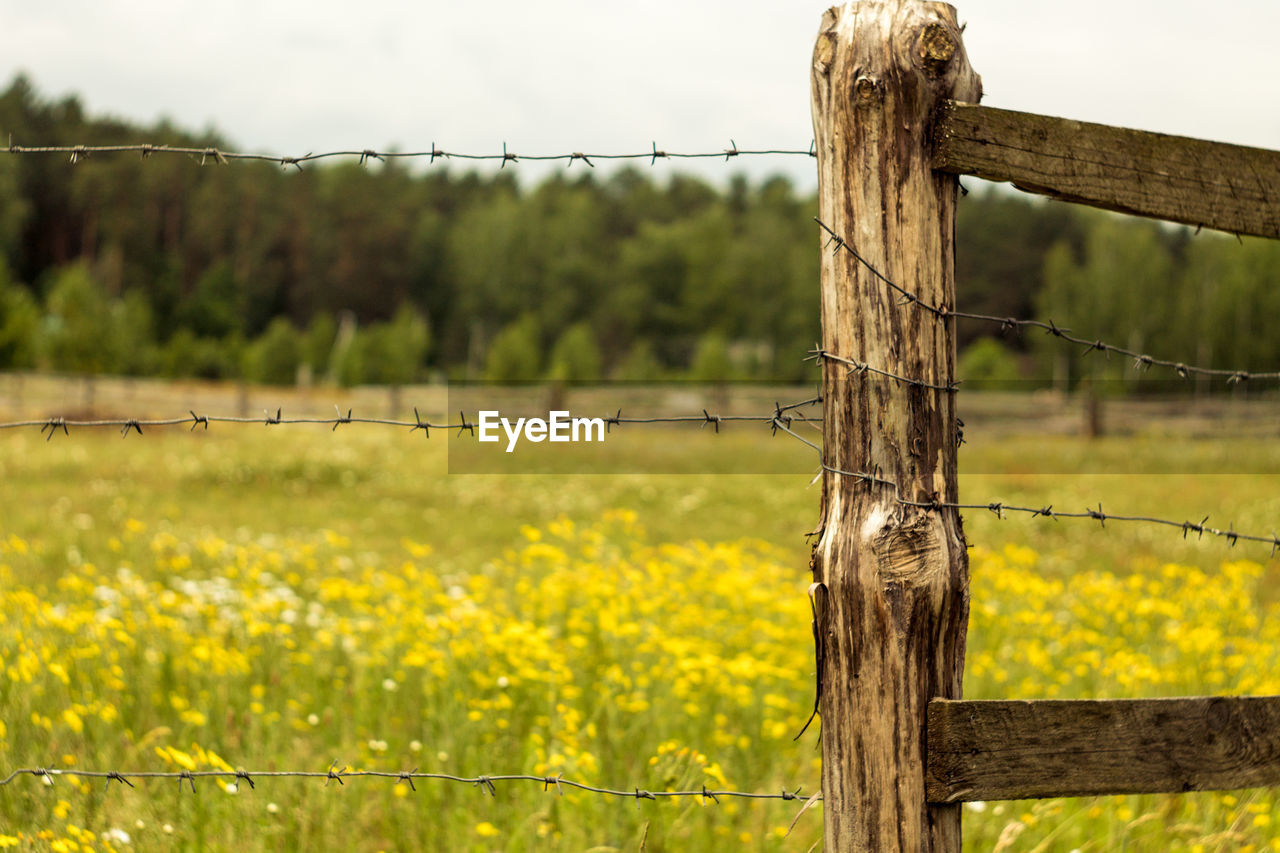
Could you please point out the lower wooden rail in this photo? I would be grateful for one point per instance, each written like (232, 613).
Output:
(1008, 750)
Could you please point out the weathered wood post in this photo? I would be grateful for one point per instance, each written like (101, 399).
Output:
(891, 578)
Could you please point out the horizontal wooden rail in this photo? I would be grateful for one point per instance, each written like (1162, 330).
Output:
(1009, 750)
(1227, 187)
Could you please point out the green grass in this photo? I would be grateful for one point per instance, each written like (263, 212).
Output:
(347, 513)
(378, 484)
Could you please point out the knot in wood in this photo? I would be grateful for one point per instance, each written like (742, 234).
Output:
(910, 554)
(1218, 715)
(866, 90)
(936, 48)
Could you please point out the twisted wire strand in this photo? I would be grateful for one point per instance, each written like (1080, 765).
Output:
(1141, 360)
(51, 426)
(486, 783)
(78, 153)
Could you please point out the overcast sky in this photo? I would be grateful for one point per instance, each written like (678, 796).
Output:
(557, 76)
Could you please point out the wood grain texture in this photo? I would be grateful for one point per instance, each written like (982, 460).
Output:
(894, 579)
(1073, 748)
(1227, 187)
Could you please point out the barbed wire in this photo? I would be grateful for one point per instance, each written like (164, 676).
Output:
(1000, 509)
(486, 783)
(217, 155)
(781, 419)
(855, 366)
(1141, 360)
(52, 425)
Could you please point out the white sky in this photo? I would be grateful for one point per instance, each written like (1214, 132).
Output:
(556, 76)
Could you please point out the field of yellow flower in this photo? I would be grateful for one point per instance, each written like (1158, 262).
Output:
(284, 602)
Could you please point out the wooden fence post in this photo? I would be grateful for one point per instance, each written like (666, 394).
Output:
(890, 579)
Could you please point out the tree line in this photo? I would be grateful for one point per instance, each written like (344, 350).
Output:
(389, 273)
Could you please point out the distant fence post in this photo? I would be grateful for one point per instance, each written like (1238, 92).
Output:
(890, 579)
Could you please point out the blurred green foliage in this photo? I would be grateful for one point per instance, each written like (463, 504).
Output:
(379, 273)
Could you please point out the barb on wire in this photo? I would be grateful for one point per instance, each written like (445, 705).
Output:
(1097, 514)
(77, 153)
(855, 366)
(907, 296)
(487, 783)
(781, 419)
(1141, 360)
(1000, 509)
(51, 425)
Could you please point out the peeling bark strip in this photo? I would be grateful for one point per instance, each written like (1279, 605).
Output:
(1009, 750)
(896, 577)
(1227, 187)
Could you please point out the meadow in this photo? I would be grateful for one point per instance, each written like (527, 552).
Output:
(283, 598)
